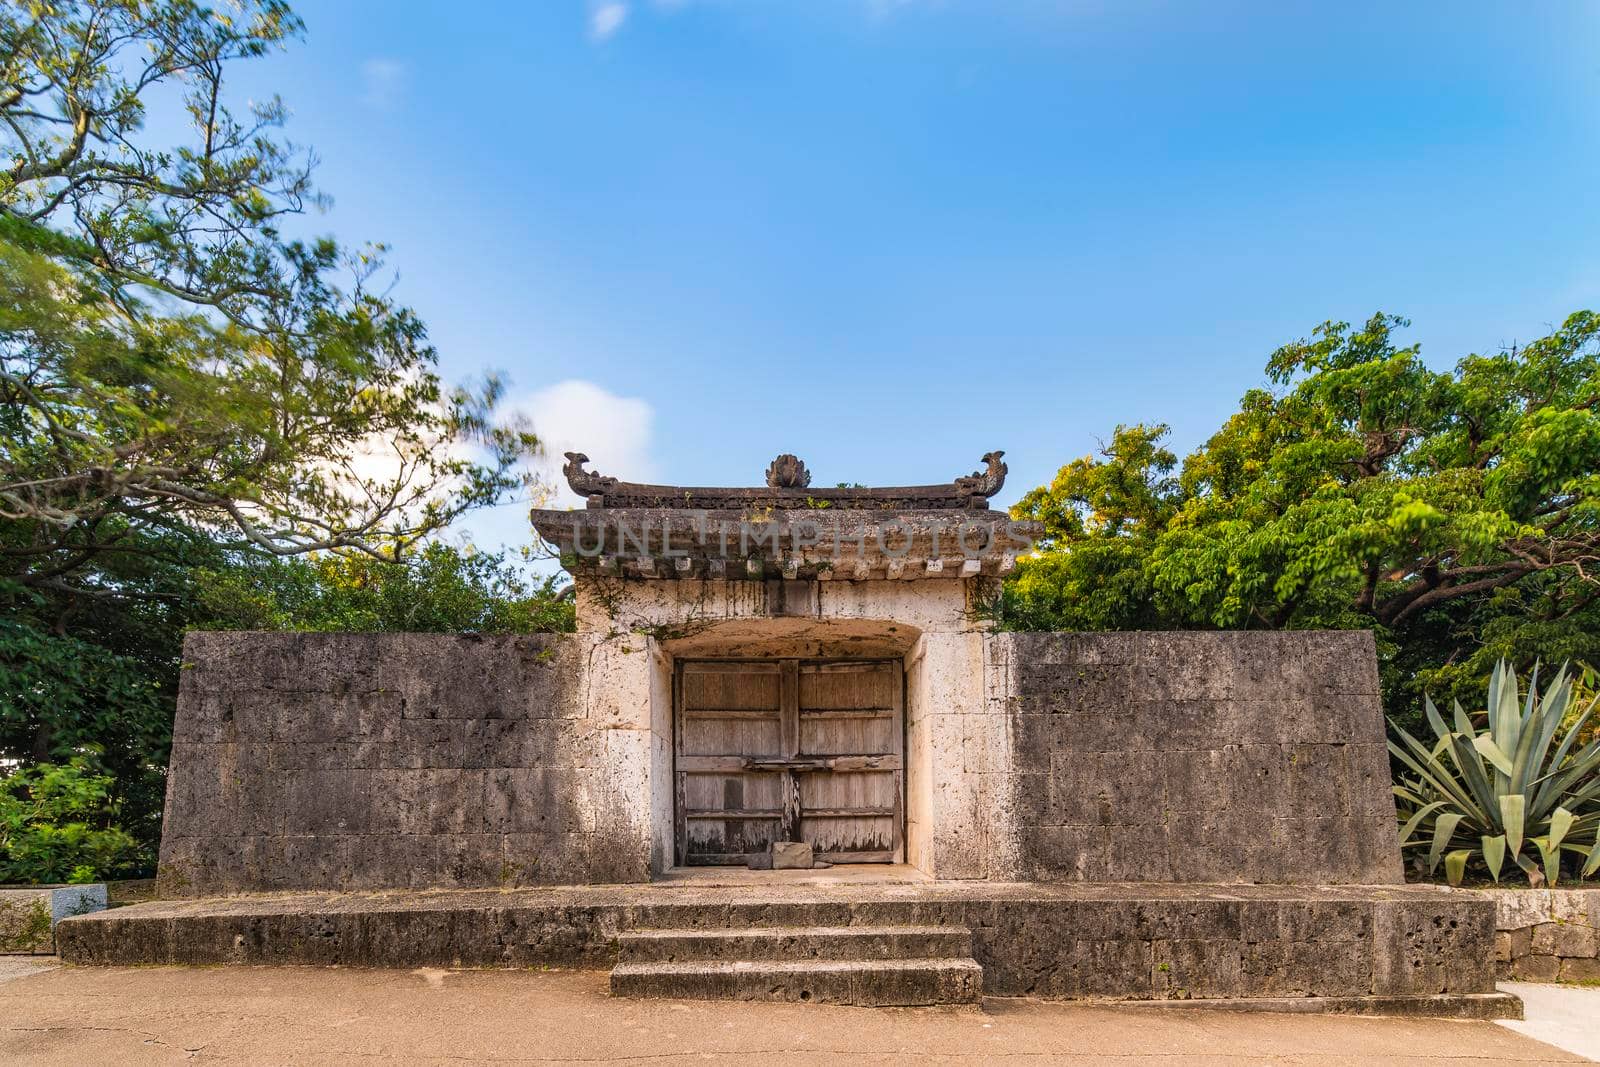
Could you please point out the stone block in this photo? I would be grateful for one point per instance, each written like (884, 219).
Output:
(1580, 906)
(1518, 908)
(1138, 852)
(1419, 946)
(1066, 853)
(1102, 968)
(548, 859)
(1060, 689)
(1580, 970)
(294, 861)
(1197, 968)
(1565, 939)
(538, 800)
(1536, 969)
(791, 856)
(1197, 780)
(28, 915)
(1368, 782)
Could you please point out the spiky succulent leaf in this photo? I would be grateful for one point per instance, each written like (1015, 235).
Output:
(1513, 807)
(1550, 857)
(1492, 752)
(1560, 822)
(1524, 776)
(1432, 773)
(1494, 854)
(1411, 824)
(1444, 828)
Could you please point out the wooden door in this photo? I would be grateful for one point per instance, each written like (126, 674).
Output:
(785, 750)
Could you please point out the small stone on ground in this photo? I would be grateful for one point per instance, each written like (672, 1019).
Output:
(75, 1015)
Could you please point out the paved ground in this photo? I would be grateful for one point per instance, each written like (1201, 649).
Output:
(22, 966)
(311, 1015)
(1565, 1016)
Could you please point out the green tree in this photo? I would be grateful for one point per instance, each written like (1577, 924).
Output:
(189, 384)
(169, 359)
(440, 589)
(1456, 513)
(59, 824)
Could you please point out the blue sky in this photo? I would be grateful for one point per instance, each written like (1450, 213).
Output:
(890, 235)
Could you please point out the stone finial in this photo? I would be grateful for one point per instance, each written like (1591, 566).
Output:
(584, 483)
(787, 472)
(988, 480)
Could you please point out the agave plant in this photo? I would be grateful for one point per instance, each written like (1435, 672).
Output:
(1502, 793)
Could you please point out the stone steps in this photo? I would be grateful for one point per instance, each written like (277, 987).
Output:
(795, 943)
(874, 983)
(864, 965)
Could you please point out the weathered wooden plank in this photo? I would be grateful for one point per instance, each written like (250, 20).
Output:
(846, 713)
(755, 764)
(719, 813)
(886, 856)
(790, 707)
(789, 828)
(849, 813)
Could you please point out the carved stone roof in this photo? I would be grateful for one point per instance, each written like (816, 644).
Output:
(788, 488)
(823, 543)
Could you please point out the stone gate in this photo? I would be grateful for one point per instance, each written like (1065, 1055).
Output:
(792, 676)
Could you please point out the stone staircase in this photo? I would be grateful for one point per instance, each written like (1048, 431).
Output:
(866, 965)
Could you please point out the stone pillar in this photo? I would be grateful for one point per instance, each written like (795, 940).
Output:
(624, 696)
(958, 815)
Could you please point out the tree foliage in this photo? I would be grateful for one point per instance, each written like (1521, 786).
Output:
(169, 358)
(193, 386)
(441, 589)
(1457, 512)
(58, 823)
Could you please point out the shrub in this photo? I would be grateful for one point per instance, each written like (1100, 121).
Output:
(57, 824)
(1503, 792)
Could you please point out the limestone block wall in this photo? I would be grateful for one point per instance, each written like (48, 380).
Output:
(1547, 935)
(1187, 757)
(369, 761)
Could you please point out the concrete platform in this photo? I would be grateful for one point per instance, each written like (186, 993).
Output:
(1336, 948)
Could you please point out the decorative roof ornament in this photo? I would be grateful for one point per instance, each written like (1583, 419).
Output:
(987, 480)
(585, 483)
(788, 472)
(787, 488)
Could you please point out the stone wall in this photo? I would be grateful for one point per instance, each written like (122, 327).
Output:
(371, 761)
(1187, 757)
(1547, 935)
(376, 761)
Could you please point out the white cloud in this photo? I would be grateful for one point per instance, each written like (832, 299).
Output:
(384, 81)
(605, 19)
(570, 416)
(579, 416)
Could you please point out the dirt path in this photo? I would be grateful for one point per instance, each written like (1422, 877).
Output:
(306, 1015)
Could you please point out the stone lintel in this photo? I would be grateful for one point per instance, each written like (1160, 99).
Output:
(824, 544)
